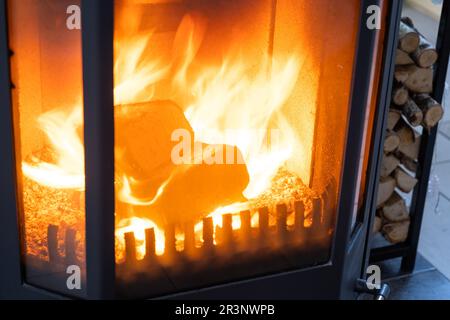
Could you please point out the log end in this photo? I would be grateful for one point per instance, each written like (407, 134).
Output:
(410, 42)
(433, 116)
(427, 58)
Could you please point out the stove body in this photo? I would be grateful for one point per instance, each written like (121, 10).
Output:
(201, 149)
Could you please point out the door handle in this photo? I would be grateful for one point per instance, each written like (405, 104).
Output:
(381, 293)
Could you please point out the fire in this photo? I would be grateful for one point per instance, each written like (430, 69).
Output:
(243, 95)
(135, 75)
(61, 129)
(234, 98)
(138, 227)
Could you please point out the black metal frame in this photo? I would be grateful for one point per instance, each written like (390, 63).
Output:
(331, 281)
(408, 249)
(98, 84)
(384, 99)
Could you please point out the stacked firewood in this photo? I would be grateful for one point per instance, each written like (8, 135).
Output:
(412, 106)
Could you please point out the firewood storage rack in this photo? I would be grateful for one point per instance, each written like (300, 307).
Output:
(408, 249)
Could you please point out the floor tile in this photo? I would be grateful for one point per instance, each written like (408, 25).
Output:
(430, 285)
(435, 234)
(442, 148)
(442, 172)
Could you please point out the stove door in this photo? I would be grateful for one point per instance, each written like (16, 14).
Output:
(238, 131)
(47, 113)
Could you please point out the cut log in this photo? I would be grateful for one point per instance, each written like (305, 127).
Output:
(402, 58)
(388, 165)
(416, 79)
(405, 182)
(411, 150)
(413, 113)
(393, 118)
(432, 110)
(377, 224)
(145, 145)
(425, 56)
(391, 142)
(386, 188)
(144, 141)
(405, 132)
(409, 164)
(396, 232)
(379, 213)
(408, 38)
(400, 94)
(194, 191)
(395, 210)
(401, 75)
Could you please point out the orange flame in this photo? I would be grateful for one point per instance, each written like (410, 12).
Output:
(138, 227)
(235, 97)
(245, 95)
(61, 129)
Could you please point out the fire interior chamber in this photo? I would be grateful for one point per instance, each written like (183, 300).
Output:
(231, 122)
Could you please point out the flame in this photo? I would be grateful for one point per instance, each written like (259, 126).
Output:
(126, 195)
(138, 227)
(61, 129)
(235, 97)
(237, 102)
(134, 74)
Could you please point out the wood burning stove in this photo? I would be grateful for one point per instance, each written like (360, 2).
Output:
(190, 148)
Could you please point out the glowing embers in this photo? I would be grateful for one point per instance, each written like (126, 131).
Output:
(53, 185)
(228, 247)
(46, 206)
(300, 220)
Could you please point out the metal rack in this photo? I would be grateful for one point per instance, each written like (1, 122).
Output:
(408, 250)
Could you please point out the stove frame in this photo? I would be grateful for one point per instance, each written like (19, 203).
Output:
(336, 279)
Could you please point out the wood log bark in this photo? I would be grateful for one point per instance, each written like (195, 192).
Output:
(401, 75)
(405, 182)
(388, 165)
(391, 142)
(377, 224)
(408, 38)
(425, 55)
(395, 210)
(386, 188)
(412, 112)
(400, 94)
(402, 58)
(393, 118)
(409, 164)
(396, 232)
(411, 150)
(405, 132)
(432, 110)
(416, 79)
